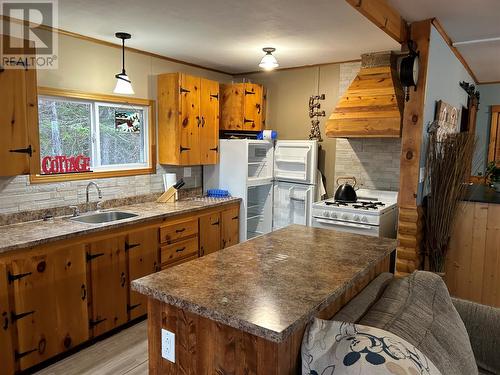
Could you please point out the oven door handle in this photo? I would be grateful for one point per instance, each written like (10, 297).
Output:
(344, 224)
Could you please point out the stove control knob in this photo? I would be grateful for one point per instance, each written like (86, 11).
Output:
(345, 216)
(356, 218)
(333, 215)
(326, 213)
(364, 219)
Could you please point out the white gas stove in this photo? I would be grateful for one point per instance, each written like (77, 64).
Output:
(374, 214)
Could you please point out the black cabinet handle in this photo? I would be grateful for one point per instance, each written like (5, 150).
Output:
(15, 316)
(131, 307)
(129, 246)
(216, 149)
(235, 218)
(216, 223)
(28, 150)
(202, 121)
(83, 292)
(215, 96)
(5, 324)
(183, 90)
(181, 249)
(19, 276)
(184, 148)
(258, 108)
(247, 120)
(123, 279)
(18, 355)
(93, 323)
(93, 256)
(249, 92)
(180, 230)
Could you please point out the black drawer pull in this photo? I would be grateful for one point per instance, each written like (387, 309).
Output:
(235, 218)
(83, 292)
(19, 276)
(216, 149)
(216, 223)
(202, 121)
(5, 324)
(129, 246)
(249, 92)
(18, 355)
(28, 150)
(15, 316)
(215, 96)
(93, 256)
(182, 90)
(131, 307)
(123, 279)
(181, 249)
(248, 120)
(184, 148)
(180, 230)
(93, 323)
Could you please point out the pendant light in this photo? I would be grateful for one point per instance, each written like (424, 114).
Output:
(269, 62)
(123, 84)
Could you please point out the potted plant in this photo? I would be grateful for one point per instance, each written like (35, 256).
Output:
(448, 161)
(493, 176)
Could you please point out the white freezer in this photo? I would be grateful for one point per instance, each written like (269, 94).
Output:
(292, 204)
(296, 161)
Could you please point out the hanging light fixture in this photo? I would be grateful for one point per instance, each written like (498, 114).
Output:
(269, 62)
(123, 84)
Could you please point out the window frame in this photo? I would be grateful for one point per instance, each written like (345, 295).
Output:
(99, 99)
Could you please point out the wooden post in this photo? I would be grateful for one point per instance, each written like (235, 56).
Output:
(410, 216)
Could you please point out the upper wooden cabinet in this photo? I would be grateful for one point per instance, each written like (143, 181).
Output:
(188, 120)
(18, 114)
(242, 106)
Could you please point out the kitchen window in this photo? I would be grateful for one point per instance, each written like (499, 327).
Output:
(84, 136)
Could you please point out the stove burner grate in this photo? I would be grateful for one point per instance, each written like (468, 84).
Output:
(368, 205)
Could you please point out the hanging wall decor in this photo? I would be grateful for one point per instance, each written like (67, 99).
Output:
(447, 118)
(314, 113)
(127, 121)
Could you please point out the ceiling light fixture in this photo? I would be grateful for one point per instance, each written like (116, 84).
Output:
(123, 84)
(269, 62)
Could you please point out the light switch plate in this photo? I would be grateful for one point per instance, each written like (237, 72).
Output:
(168, 345)
(187, 172)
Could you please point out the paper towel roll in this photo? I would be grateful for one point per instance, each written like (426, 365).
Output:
(169, 180)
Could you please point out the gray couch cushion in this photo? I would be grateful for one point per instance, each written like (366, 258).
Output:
(419, 309)
(483, 325)
(359, 305)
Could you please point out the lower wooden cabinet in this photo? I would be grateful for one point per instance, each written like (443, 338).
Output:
(49, 303)
(55, 297)
(142, 249)
(230, 233)
(108, 277)
(210, 233)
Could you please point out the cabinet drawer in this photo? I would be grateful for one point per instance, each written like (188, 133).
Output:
(174, 232)
(178, 250)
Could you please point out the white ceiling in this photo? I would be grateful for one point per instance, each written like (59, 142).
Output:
(464, 20)
(229, 35)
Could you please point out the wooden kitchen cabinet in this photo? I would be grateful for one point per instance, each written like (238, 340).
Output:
(18, 112)
(143, 259)
(108, 277)
(210, 233)
(188, 119)
(7, 363)
(50, 302)
(230, 230)
(242, 107)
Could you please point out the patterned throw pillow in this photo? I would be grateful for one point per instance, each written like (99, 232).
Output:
(339, 348)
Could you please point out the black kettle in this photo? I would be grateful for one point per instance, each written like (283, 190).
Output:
(346, 192)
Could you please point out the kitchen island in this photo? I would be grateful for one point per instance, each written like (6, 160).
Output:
(243, 310)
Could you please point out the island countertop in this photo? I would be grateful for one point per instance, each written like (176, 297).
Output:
(273, 284)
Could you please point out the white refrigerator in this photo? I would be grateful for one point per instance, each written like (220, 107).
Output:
(295, 178)
(276, 182)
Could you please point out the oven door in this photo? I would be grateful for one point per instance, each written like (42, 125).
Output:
(346, 226)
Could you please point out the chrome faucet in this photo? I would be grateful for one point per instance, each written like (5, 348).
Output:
(99, 193)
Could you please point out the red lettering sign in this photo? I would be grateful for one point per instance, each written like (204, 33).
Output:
(65, 164)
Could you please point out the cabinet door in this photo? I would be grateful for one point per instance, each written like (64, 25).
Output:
(230, 227)
(50, 303)
(190, 120)
(210, 233)
(209, 131)
(108, 275)
(253, 107)
(231, 106)
(143, 254)
(6, 342)
(14, 142)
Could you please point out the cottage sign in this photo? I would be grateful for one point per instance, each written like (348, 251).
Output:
(65, 164)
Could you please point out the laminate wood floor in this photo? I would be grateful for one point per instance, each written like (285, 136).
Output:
(123, 353)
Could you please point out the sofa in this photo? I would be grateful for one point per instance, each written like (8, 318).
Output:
(460, 337)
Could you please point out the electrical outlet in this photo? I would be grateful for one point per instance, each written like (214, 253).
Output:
(168, 345)
(187, 172)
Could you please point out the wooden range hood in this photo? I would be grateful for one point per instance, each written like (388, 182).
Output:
(373, 104)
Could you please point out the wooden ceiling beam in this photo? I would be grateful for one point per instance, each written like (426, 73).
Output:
(384, 16)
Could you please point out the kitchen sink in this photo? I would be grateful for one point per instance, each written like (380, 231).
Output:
(103, 217)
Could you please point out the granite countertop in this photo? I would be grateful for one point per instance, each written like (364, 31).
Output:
(33, 233)
(271, 285)
(482, 194)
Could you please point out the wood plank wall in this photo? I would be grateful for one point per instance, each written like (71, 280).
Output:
(473, 261)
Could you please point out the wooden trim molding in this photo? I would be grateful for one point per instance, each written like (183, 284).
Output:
(383, 15)
(114, 45)
(494, 144)
(298, 67)
(456, 52)
(151, 169)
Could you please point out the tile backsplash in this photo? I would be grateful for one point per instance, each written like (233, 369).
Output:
(17, 194)
(373, 161)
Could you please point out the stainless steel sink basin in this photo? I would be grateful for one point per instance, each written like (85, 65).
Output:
(103, 217)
